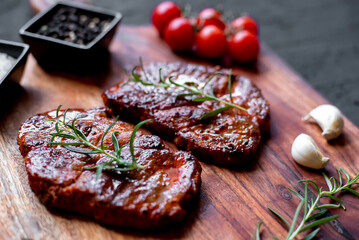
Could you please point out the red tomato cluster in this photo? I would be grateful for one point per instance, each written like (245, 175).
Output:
(208, 35)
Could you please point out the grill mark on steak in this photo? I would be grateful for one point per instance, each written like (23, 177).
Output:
(229, 138)
(148, 198)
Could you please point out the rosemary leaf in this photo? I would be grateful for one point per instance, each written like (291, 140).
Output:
(317, 215)
(311, 235)
(214, 112)
(173, 82)
(64, 115)
(340, 178)
(311, 182)
(184, 95)
(319, 222)
(123, 146)
(211, 78)
(296, 194)
(66, 143)
(52, 140)
(335, 182)
(279, 216)
(99, 171)
(57, 127)
(211, 91)
(77, 132)
(161, 77)
(120, 169)
(352, 191)
(132, 138)
(258, 237)
(230, 85)
(143, 69)
(294, 221)
(63, 135)
(57, 111)
(80, 134)
(305, 198)
(327, 206)
(336, 199)
(106, 131)
(346, 174)
(202, 99)
(330, 186)
(256, 234)
(80, 150)
(355, 179)
(115, 143)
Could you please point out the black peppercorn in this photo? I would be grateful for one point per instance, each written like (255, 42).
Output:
(73, 25)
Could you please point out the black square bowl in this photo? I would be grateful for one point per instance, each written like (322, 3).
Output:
(19, 52)
(54, 53)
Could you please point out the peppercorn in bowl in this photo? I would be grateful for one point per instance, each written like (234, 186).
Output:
(71, 36)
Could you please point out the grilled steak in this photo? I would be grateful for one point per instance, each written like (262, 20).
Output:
(230, 137)
(147, 198)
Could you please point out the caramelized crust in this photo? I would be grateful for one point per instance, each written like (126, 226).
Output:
(229, 138)
(148, 198)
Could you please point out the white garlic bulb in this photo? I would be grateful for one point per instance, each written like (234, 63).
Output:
(329, 118)
(306, 152)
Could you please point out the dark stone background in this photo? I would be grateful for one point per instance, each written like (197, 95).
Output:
(319, 39)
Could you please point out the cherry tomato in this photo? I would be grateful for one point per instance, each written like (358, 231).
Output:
(210, 16)
(179, 34)
(244, 46)
(211, 42)
(163, 13)
(245, 23)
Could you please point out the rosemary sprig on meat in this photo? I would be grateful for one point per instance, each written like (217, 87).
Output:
(310, 205)
(192, 90)
(82, 145)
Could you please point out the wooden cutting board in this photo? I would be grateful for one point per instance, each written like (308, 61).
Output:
(231, 201)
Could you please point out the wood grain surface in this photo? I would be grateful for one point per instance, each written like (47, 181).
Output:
(231, 201)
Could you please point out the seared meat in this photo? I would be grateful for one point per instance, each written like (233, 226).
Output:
(229, 138)
(147, 198)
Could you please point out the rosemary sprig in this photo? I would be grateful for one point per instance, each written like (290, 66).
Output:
(311, 219)
(83, 146)
(193, 90)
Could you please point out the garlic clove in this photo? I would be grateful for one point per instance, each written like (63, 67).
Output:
(330, 120)
(306, 152)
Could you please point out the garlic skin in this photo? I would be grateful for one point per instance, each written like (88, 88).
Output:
(330, 120)
(306, 152)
